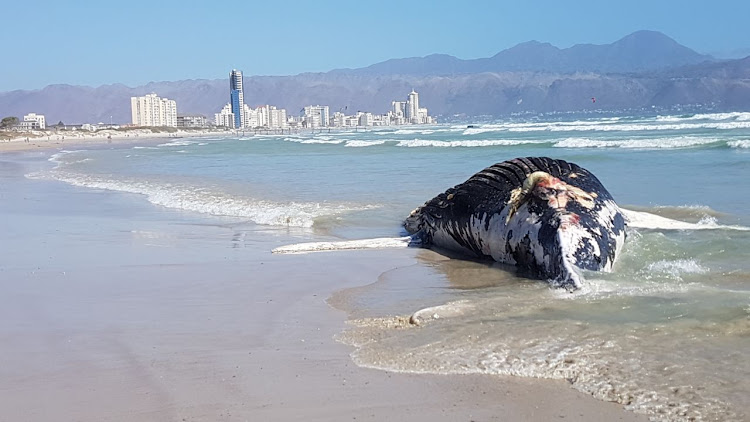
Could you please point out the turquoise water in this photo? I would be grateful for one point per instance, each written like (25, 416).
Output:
(665, 334)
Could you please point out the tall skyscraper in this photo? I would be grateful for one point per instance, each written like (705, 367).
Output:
(412, 107)
(237, 98)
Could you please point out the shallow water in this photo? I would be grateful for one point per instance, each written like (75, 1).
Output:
(665, 334)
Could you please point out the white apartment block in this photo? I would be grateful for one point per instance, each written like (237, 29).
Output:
(266, 116)
(276, 118)
(225, 118)
(339, 119)
(352, 121)
(33, 121)
(151, 110)
(422, 116)
(398, 108)
(253, 118)
(365, 119)
(316, 116)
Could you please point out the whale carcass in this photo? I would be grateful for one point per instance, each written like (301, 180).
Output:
(549, 217)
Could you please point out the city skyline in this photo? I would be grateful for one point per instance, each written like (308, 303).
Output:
(480, 29)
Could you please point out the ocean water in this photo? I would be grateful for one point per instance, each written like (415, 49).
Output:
(665, 334)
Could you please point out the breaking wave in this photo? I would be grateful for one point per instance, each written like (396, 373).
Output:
(180, 143)
(653, 143)
(360, 144)
(469, 143)
(202, 200)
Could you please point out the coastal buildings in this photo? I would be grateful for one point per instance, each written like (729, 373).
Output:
(276, 117)
(225, 117)
(399, 115)
(266, 117)
(32, 121)
(316, 116)
(237, 98)
(409, 111)
(192, 120)
(238, 115)
(151, 110)
(261, 117)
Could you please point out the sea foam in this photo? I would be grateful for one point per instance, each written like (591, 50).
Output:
(414, 143)
(641, 143)
(205, 201)
(644, 220)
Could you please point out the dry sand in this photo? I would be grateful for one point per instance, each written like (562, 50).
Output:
(115, 310)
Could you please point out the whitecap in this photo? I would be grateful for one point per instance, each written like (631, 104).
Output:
(641, 143)
(182, 143)
(360, 144)
(466, 144)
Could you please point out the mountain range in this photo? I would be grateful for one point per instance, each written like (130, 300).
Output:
(643, 69)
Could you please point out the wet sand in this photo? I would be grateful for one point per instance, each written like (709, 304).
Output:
(116, 310)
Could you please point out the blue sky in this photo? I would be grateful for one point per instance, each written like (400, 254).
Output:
(140, 41)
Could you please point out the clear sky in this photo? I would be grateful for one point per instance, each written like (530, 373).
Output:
(135, 42)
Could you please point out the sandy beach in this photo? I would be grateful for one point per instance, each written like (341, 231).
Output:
(114, 309)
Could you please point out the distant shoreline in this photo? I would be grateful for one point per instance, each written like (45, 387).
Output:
(61, 139)
(46, 139)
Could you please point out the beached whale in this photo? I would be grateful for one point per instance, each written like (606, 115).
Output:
(548, 217)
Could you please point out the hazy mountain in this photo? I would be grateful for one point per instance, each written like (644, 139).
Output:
(639, 51)
(532, 86)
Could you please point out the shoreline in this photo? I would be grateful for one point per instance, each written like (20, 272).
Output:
(175, 318)
(105, 137)
(48, 139)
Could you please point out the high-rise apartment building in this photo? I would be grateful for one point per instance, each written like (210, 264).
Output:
(237, 98)
(316, 116)
(151, 110)
(225, 118)
(412, 107)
